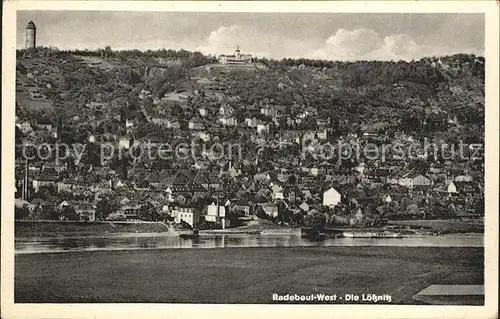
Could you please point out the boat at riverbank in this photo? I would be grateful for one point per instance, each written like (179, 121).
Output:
(320, 233)
(359, 235)
(384, 235)
(186, 234)
(389, 235)
(229, 231)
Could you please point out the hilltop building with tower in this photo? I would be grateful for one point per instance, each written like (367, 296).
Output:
(30, 38)
(236, 58)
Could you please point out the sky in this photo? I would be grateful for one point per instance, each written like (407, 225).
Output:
(332, 36)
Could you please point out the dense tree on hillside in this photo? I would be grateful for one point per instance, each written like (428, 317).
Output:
(148, 212)
(21, 212)
(105, 207)
(315, 219)
(44, 213)
(68, 213)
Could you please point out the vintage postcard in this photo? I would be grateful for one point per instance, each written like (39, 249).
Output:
(250, 159)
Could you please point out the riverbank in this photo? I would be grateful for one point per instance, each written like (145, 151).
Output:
(69, 228)
(241, 275)
(245, 231)
(442, 226)
(26, 229)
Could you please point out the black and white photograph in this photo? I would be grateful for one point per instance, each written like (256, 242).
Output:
(280, 157)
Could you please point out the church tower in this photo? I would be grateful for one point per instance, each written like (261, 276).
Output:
(237, 52)
(30, 36)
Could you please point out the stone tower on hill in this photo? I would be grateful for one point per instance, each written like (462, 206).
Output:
(30, 35)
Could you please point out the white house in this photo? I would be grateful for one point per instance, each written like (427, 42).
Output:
(451, 188)
(64, 204)
(270, 210)
(185, 214)
(359, 215)
(463, 178)
(225, 110)
(410, 181)
(204, 136)
(129, 123)
(421, 180)
(251, 122)
(405, 181)
(277, 192)
(322, 135)
(124, 143)
(261, 128)
(25, 127)
(216, 214)
(236, 58)
(228, 121)
(360, 168)
(314, 171)
(196, 125)
(331, 197)
(120, 184)
(388, 199)
(168, 195)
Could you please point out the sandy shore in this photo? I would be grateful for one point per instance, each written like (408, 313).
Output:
(241, 275)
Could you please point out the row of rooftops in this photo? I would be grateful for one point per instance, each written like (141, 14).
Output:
(47, 170)
(159, 200)
(192, 180)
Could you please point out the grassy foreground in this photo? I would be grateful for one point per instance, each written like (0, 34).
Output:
(241, 275)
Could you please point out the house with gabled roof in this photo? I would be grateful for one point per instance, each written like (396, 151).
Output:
(216, 213)
(277, 191)
(186, 180)
(131, 210)
(304, 207)
(251, 122)
(196, 124)
(451, 188)
(71, 185)
(207, 179)
(411, 180)
(240, 205)
(463, 178)
(292, 193)
(269, 209)
(43, 180)
(262, 128)
(86, 211)
(273, 110)
(226, 109)
(25, 127)
(331, 197)
(228, 121)
(159, 179)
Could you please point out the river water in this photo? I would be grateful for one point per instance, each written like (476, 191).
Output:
(166, 241)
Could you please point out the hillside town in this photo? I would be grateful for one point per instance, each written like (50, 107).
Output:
(215, 143)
